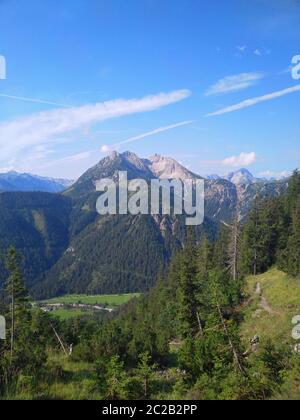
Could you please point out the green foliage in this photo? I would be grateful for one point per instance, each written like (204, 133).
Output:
(145, 375)
(272, 233)
(23, 354)
(187, 338)
(112, 379)
(36, 224)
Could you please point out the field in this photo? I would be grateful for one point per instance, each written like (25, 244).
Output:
(111, 301)
(93, 304)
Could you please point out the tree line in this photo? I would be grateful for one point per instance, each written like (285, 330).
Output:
(182, 339)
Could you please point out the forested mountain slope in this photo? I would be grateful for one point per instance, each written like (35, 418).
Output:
(37, 224)
(86, 252)
(208, 330)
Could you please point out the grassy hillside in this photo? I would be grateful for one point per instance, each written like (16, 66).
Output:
(274, 300)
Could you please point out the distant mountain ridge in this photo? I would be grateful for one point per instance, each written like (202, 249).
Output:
(24, 182)
(244, 177)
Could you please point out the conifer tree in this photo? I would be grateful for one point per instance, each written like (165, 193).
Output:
(116, 379)
(293, 192)
(234, 249)
(146, 373)
(188, 287)
(293, 246)
(18, 295)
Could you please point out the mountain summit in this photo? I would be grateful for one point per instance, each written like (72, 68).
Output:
(167, 168)
(155, 167)
(242, 177)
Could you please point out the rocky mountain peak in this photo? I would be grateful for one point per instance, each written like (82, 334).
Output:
(168, 168)
(241, 177)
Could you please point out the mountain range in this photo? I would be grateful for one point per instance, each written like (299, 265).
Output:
(69, 248)
(243, 177)
(14, 181)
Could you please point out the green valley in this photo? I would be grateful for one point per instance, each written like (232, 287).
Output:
(72, 306)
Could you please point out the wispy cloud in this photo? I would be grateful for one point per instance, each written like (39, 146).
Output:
(254, 101)
(45, 127)
(262, 51)
(275, 175)
(241, 48)
(159, 130)
(234, 83)
(242, 160)
(70, 159)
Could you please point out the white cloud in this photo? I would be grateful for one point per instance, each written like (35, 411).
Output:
(234, 83)
(254, 101)
(243, 160)
(257, 52)
(22, 134)
(241, 48)
(106, 149)
(275, 175)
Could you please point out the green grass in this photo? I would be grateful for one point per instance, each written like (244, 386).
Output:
(108, 300)
(76, 381)
(66, 314)
(283, 296)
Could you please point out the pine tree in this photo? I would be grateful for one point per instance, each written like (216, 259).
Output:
(293, 246)
(234, 249)
(146, 373)
(293, 192)
(250, 242)
(220, 250)
(18, 295)
(188, 288)
(116, 379)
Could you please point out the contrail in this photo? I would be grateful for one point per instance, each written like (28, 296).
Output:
(254, 101)
(37, 101)
(107, 148)
(153, 132)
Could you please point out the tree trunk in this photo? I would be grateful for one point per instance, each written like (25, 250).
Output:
(232, 347)
(200, 325)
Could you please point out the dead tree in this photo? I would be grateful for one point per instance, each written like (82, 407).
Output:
(231, 344)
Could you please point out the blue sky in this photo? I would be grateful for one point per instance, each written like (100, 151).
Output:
(87, 76)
